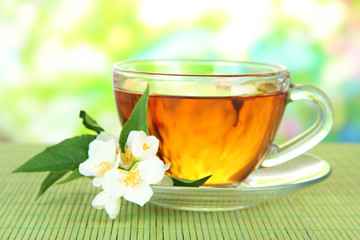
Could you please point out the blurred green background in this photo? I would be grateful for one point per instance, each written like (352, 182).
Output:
(56, 56)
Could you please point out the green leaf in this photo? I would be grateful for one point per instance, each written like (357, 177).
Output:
(189, 183)
(137, 120)
(73, 176)
(50, 179)
(64, 156)
(90, 123)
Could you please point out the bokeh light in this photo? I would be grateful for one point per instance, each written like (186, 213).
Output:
(56, 56)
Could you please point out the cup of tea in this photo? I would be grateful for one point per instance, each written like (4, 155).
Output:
(218, 118)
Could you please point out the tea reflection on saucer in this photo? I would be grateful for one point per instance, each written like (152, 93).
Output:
(303, 168)
(262, 185)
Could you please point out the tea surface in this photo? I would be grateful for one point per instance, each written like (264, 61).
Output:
(220, 136)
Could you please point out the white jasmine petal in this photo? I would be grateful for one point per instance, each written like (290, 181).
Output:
(153, 143)
(151, 170)
(104, 136)
(134, 185)
(99, 200)
(131, 137)
(117, 161)
(114, 183)
(88, 168)
(111, 205)
(94, 147)
(143, 146)
(166, 181)
(137, 143)
(104, 149)
(97, 181)
(101, 157)
(103, 152)
(139, 194)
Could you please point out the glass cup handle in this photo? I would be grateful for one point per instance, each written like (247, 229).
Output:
(312, 136)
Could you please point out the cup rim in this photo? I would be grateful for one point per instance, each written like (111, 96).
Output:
(279, 69)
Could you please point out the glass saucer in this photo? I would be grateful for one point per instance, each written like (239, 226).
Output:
(262, 185)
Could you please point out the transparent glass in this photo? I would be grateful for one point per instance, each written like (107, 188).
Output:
(262, 185)
(218, 118)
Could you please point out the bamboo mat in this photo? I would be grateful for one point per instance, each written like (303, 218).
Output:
(327, 210)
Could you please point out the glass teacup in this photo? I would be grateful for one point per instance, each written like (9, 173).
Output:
(218, 118)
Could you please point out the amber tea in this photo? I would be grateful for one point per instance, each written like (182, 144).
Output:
(224, 137)
(218, 118)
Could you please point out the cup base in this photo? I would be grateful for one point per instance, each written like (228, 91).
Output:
(229, 185)
(243, 195)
